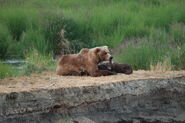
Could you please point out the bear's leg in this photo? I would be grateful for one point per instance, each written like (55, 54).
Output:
(74, 73)
(60, 71)
(67, 70)
(101, 73)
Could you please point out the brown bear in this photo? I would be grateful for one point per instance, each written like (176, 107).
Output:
(116, 67)
(85, 62)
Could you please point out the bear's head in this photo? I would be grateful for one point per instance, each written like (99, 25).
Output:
(103, 53)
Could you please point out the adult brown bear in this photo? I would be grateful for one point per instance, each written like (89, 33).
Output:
(85, 62)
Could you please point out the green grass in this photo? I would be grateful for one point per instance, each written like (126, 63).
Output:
(33, 24)
(6, 71)
(36, 62)
(142, 56)
(155, 48)
(5, 40)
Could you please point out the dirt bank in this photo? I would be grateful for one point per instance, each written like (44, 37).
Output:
(141, 97)
(49, 80)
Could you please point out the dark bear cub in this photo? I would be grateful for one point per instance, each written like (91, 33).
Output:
(116, 67)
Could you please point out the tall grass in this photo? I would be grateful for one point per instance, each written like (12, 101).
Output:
(87, 23)
(141, 57)
(6, 71)
(156, 48)
(5, 40)
(36, 62)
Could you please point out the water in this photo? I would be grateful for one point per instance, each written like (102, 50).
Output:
(16, 63)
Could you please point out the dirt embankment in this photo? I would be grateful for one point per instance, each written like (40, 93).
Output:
(143, 96)
(49, 80)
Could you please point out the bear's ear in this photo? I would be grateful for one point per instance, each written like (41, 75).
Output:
(97, 50)
(106, 47)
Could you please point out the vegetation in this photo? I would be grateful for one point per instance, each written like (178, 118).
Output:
(6, 71)
(156, 48)
(147, 32)
(36, 62)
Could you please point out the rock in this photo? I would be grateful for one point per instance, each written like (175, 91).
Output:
(82, 120)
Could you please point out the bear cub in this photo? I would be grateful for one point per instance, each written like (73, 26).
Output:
(116, 67)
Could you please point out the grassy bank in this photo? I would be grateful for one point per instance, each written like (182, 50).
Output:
(34, 63)
(6, 71)
(146, 32)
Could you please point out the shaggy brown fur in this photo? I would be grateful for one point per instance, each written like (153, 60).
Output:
(85, 62)
(116, 67)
